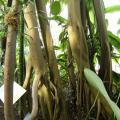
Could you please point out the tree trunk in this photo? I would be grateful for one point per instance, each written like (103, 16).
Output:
(105, 71)
(11, 21)
(78, 45)
(51, 58)
(36, 55)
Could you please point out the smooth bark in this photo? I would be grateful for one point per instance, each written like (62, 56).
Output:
(105, 71)
(10, 60)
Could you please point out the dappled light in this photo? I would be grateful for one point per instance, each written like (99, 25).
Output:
(59, 60)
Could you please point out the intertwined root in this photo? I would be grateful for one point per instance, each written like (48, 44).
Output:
(46, 95)
(36, 56)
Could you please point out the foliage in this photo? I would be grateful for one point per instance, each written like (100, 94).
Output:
(55, 7)
(112, 9)
(97, 83)
(62, 57)
(114, 40)
(62, 51)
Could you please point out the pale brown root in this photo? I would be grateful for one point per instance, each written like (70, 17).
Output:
(35, 97)
(56, 99)
(36, 54)
(46, 102)
(98, 110)
(28, 74)
(45, 99)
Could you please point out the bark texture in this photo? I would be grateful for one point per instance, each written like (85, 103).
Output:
(78, 44)
(36, 55)
(105, 71)
(11, 22)
(52, 62)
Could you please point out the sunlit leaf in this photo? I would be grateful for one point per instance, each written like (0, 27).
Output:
(61, 36)
(61, 56)
(118, 21)
(2, 2)
(60, 19)
(55, 7)
(111, 9)
(118, 32)
(56, 47)
(97, 83)
(114, 40)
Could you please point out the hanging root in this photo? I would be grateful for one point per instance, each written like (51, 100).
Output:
(28, 74)
(99, 109)
(34, 112)
(36, 53)
(45, 101)
(56, 99)
(35, 97)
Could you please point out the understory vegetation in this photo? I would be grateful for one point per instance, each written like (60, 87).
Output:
(60, 76)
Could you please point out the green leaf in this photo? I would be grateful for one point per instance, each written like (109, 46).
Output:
(61, 36)
(114, 40)
(61, 60)
(46, 1)
(116, 77)
(97, 83)
(56, 47)
(118, 32)
(55, 7)
(111, 9)
(118, 22)
(2, 2)
(60, 19)
(61, 56)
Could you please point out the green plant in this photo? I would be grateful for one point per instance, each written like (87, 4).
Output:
(97, 83)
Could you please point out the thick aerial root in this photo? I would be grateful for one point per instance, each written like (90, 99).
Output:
(99, 109)
(45, 100)
(35, 97)
(28, 74)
